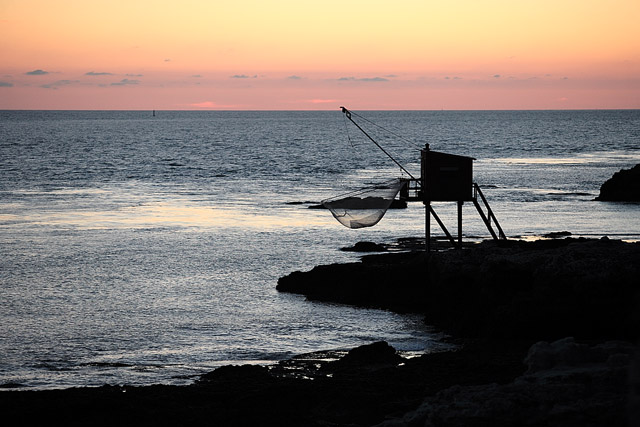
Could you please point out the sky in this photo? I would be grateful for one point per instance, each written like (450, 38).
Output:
(319, 55)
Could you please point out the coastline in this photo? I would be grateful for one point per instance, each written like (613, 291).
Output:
(512, 305)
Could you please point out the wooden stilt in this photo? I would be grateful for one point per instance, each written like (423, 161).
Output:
(460, 203)
(442, 226)
(427, 226)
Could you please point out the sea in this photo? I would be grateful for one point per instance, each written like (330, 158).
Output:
(143, 249)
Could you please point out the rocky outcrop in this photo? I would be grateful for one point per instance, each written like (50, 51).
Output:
(376, 354)
(540, 290)
(365, 247)
(566, 384)
(623, 186)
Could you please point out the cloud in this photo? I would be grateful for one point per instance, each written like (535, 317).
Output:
(133, 75)
(374, 79)
(363, 79)
(93, 73)
(294, 78)
(197, 76)
(209, 104)
(167, 60)
(59, 83)
(243, 76)
(321, 101)
(125, 82)
(205, 104)
(496, 76)
(6, 84)
(36, 73)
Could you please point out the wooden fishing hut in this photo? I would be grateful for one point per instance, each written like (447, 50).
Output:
(444, 178)
(448, 178)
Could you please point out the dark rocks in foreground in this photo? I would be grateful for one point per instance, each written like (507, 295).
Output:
(517, 301)
(361, 389)
(563, 383)
(623, 186)
(502, 295)
(566, 384)
(541, 290)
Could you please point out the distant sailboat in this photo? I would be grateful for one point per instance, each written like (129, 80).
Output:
(154, 113)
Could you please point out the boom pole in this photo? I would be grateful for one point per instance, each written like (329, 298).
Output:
(348, 114)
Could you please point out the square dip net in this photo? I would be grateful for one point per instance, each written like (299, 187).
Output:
(366, 207)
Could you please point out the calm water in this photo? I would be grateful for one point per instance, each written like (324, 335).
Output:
(143, 250)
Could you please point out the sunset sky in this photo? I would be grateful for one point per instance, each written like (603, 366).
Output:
(300, 55)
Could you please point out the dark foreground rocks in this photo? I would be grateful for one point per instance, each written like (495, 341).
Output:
(363, 388)
(575, 301)
(623, 186)
(546, 333)
(566, 384)
(562, 383)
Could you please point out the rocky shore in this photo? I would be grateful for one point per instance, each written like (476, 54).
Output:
(573, 303)
(547, 335)
(546, 289)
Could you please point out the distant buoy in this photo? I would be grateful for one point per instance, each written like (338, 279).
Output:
(154, 113)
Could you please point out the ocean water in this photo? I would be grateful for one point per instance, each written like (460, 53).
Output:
(146, 250)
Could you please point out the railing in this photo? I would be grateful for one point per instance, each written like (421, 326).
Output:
(489, 216)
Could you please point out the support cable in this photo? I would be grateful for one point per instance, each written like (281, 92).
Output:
(387, 130)
(347, 113)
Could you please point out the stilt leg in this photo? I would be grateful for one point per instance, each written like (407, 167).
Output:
(427, 226)
(460, 203)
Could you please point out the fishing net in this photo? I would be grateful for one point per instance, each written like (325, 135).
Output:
(364, 208)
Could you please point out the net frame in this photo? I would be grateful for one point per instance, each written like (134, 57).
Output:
(364, 207)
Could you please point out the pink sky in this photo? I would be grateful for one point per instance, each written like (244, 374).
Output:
(289, 55)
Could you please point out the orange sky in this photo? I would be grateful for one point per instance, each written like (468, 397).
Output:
(281, 54)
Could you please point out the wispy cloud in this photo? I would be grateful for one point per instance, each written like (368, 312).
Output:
(294, 78)
(133, 75)
(197, 76)
(6, 84)
(36, 73)
(208, 105)
(125, 82)
(363, 79)
(496, 76)
(205, 104)
(243, 76)
(59, 83)
(321, 101)
(93, 73)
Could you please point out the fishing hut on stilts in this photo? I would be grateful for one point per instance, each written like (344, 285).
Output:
(444, 178)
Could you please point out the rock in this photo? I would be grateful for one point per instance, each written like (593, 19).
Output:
(634, 390)
(567, 384)
(377, 353)
(541, 290)
(365, 247)
(623, 186)
(557, 234)
(237, 374)
(567, 352)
